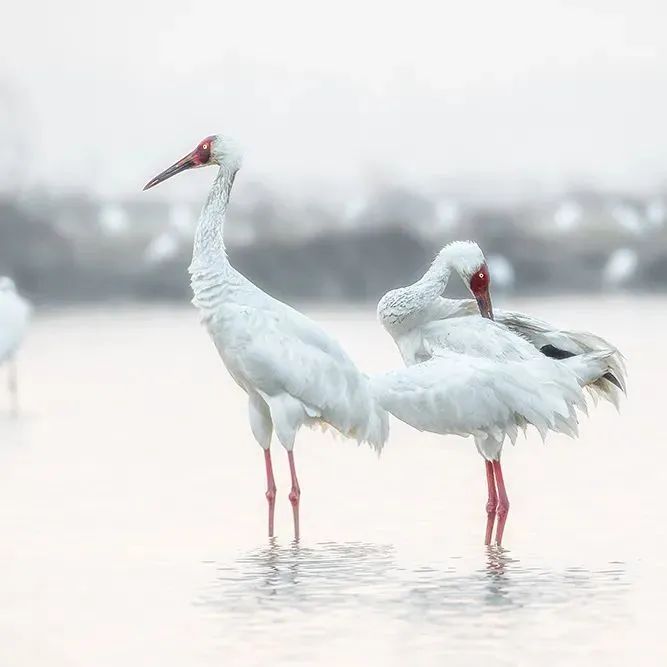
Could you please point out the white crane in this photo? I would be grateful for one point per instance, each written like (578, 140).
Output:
(469, 375)
(445, 325)
(293, 372)
(14, 318)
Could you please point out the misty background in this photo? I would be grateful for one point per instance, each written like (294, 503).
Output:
(132, 494)
(373, 134)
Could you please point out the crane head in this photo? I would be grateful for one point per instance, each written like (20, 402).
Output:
(479, 284)
(467, 259)
(212, 150)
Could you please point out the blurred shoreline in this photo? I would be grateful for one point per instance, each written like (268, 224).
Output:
(69, 249)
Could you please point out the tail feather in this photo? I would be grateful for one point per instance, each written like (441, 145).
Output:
(613, 379)
(463, 395)
(377, 432)
(563, 344)
(599, 372)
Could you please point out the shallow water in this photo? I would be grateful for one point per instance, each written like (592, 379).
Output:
(133, 515)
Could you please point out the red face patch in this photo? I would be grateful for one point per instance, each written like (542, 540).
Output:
(479, 282)
(202, 153)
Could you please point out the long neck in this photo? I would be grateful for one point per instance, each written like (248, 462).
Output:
(409, 306)
(433, 283)
(209, 245)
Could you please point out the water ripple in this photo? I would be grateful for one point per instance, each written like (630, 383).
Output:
(337, 576)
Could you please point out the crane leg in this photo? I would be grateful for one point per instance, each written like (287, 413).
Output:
(270, 489)
(491, 503)
(13, 387)
(294, 494)
(503, 502)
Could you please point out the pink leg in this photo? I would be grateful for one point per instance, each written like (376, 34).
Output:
(270, 489)
(294, 494)
(503, 502)
(491, 503)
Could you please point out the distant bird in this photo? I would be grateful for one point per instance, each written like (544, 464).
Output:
(502, 271)
(15, 314)
(162, 248)
(293, 372)
(620, 268)
(469, 375)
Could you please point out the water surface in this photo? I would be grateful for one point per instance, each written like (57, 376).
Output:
(133, 515)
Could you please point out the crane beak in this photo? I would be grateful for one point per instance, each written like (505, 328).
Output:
(484, 304)
(187, 162)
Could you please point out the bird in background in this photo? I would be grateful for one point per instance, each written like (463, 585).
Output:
(292, 371)
(487, 376)
(15, 313)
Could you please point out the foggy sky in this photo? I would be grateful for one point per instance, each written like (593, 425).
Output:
(337, 94)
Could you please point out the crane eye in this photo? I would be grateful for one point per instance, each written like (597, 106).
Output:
(481, 275)
(204, 146)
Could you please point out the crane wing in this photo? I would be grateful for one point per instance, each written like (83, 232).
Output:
(305, 376)
(475, 336)
(543, 336)
(562, 344)
(457, 394)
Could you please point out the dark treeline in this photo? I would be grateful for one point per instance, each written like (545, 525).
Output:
(58, 252)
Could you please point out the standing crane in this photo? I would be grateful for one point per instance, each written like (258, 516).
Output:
(15, 314)
(293, 372)
(471, 375)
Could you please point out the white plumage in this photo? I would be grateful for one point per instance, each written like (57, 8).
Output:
(515, 336)
(281, 358)
(458, 394)
(422, 322)
(470, 375)
(15, 314)
(293, 372)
